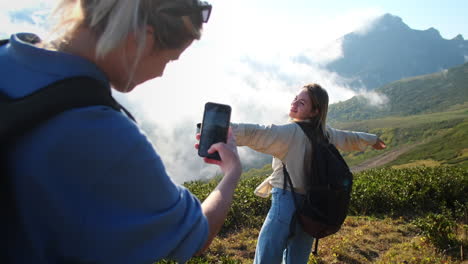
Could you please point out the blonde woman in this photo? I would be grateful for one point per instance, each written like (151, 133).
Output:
(88, 186)
(288, 144)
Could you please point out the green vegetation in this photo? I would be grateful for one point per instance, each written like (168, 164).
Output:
(417, 95)
(449, 147)
(409, 192)
(440, 137)
(414, 215)
(247, 209)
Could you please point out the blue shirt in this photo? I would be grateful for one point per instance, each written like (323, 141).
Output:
(89, 186)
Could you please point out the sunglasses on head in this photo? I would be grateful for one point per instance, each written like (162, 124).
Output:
(200, 10)
(205, 10)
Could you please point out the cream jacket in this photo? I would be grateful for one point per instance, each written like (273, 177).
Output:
(289, 144)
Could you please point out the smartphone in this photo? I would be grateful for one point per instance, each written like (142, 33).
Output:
(214, 128)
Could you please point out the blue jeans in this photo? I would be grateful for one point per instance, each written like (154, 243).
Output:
(274, 244)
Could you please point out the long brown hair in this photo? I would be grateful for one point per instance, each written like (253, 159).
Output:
(319, 99)
(316, 127)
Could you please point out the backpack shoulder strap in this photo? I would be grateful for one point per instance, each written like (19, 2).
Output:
(20, 115)
(4, 41)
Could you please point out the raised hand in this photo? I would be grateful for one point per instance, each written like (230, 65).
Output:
(379, 144)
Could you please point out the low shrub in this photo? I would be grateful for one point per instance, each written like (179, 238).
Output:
(389, 192)
(410, 191)
(247, 209)
(439, 229)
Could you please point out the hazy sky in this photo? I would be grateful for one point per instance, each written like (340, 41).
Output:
(450, 17)
(248, 58)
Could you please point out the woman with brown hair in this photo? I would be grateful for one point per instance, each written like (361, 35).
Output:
(289, 145)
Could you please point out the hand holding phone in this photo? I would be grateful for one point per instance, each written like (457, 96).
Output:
(214, 128)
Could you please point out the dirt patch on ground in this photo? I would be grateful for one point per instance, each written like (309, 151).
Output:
(383, 159)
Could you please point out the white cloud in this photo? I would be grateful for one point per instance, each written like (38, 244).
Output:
(328, 53)
(254, 64)
(248, 58)
(445, 72)
(375, 99)
(368, 21)
(24, 16)
(26, 4)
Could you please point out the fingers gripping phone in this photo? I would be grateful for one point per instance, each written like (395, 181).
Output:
(214, 128)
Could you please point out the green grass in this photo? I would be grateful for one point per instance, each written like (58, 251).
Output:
(442, 137)
(414, 215)
(409, 192)
(361, 240)
(428, 113)
(247, 210)
(448, 148)
(417, 95)
(404, 121)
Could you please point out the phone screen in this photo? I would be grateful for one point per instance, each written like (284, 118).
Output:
(214, 128)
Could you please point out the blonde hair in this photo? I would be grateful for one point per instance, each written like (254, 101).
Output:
(112, 20)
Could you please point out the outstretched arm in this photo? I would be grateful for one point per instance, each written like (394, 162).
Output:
(273, 140)
(351, 140)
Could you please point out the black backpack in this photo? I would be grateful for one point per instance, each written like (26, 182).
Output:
(18, 116)
(328, 191)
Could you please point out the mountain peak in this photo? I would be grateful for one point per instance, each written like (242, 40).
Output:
(389, 18)
(434, 32)
(390, 21)
(389, 50)
(459, 37)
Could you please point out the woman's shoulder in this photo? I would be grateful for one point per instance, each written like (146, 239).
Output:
(286, 125)
(90, 141)
(97, 130)
(277, 130)
(27, 67)
(101, 119)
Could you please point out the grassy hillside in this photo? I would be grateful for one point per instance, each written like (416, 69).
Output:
(423, 123)
(418, 95)
(450, 147)
(440, 137)
(416, 215)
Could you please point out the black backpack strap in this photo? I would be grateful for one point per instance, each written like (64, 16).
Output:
(315, 252)
(127, 113)
(20, 115)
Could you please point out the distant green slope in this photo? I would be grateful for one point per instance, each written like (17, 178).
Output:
(442, 137)
(418, 95)
(449, 148)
